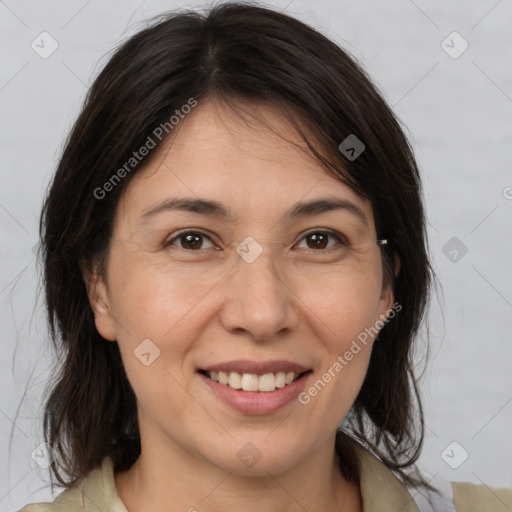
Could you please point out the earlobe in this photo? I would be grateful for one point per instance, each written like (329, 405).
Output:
(387, 299)
(387, 296)
(101, 306)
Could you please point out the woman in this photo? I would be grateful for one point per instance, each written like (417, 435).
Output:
(235, 267)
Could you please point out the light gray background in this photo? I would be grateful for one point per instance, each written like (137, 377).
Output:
(459, 116)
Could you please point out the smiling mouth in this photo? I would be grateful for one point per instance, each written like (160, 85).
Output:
(264, 383)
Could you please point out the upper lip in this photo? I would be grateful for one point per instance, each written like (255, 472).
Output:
(256, 367)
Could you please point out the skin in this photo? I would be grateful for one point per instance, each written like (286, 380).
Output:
(205, 306)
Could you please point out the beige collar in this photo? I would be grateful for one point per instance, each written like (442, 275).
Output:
(380, 488)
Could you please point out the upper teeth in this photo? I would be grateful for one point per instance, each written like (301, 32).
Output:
(253, 382)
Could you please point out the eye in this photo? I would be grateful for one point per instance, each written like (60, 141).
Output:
(189, 240)
(193, 240)
(319, 239)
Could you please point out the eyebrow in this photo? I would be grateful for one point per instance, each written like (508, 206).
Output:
(212, 208)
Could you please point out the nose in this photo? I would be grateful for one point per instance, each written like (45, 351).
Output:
(259, 297)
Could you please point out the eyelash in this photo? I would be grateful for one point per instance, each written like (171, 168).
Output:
(341, 239)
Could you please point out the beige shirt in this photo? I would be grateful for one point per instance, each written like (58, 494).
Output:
(380, 489)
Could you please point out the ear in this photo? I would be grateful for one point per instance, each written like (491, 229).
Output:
(100, 304)
(386, 302)
(387, 295)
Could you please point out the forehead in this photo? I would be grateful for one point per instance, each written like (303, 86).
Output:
(256, 164)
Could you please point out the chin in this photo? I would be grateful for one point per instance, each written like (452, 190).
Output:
(253, 455)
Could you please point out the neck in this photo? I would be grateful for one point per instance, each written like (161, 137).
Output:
(174, 479)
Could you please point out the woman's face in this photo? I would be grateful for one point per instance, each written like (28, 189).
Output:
(255, 297)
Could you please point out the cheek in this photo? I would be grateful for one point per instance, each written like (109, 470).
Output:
(344, 305)
(344, 312)
(153, 310)
(153, 298)
(333, 391)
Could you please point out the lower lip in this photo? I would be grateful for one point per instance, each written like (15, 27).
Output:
(259, 402)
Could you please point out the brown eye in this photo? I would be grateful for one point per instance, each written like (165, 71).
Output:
(320, 239)
(189, 240)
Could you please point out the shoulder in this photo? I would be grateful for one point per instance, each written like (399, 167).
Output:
(94, 492)
(469, 497)
(382, 491)
(463, 497)
(69, 500)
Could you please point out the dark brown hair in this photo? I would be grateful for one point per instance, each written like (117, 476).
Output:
(234, 52)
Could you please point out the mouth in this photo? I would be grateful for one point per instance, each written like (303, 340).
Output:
(255, 388)
(252, 382)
